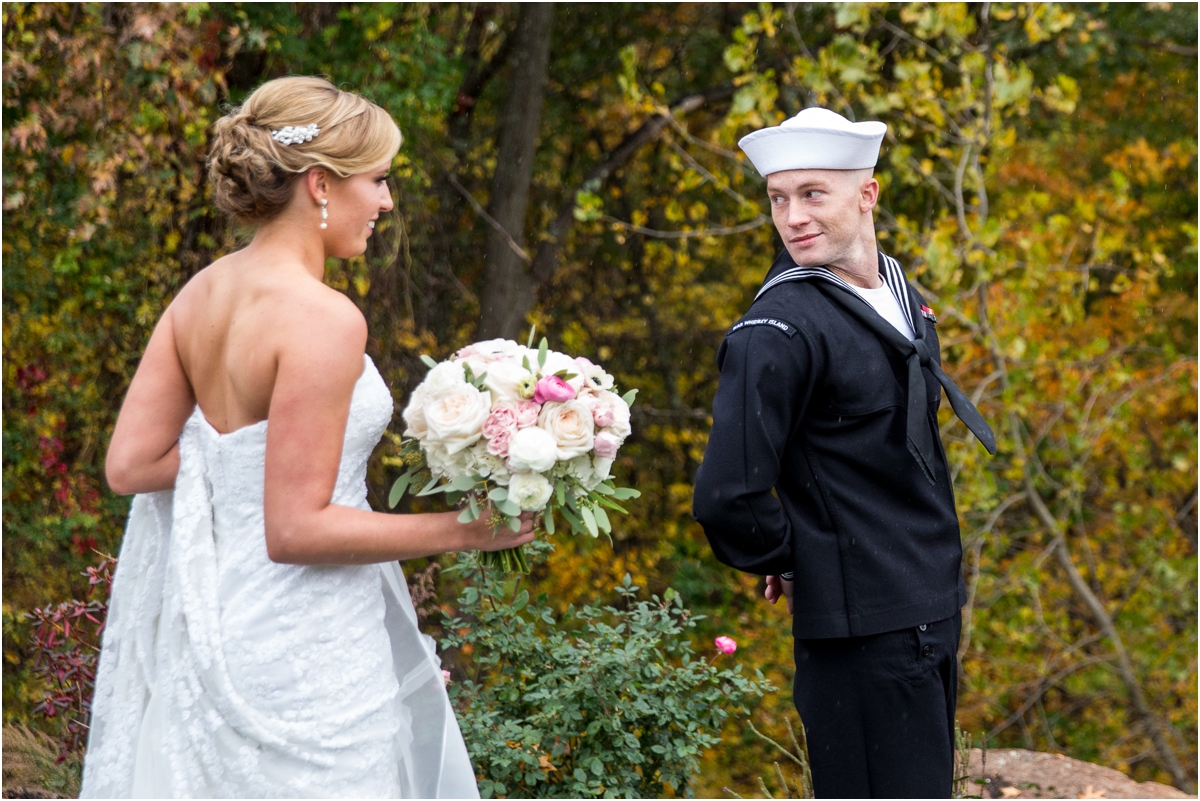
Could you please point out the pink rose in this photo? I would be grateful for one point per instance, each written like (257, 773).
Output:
(602, 410)
(606, 444)
(725, 645)
(526, 413)
(503, 417)
(553, 388)
(498, 443)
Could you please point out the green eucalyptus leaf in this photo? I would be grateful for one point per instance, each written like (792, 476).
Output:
(468, 515)
(498, 493)
(398, 489)
(463, 483)
(629, 397)
(428, 361)
(507, 507)
(543, 348)
(602, 519)
(430, 489)
(589, 520)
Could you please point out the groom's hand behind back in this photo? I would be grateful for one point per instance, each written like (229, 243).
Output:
(779, 587)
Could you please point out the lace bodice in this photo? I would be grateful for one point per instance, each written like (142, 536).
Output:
(264, 679)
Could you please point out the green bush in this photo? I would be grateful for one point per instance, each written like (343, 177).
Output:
(606, 701)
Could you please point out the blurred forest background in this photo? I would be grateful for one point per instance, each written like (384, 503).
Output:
(575, 166)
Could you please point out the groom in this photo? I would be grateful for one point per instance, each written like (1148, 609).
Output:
(825, 470)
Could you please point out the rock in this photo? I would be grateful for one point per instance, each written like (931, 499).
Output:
(1017, 773)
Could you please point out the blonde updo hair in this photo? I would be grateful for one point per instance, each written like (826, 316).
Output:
(252, 175)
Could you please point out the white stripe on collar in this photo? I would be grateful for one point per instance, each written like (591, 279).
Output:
(892, 274)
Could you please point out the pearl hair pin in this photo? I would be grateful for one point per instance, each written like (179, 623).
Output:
(324, 213)
(294, 135)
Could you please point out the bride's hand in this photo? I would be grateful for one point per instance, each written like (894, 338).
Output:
(480, 537)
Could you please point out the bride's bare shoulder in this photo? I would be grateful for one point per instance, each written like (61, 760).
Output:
(287, 308)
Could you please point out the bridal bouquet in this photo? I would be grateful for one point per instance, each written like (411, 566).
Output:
(503, 429)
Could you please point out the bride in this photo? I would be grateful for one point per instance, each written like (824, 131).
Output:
(261, 641)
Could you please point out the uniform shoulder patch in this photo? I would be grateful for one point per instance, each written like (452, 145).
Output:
(775, 323)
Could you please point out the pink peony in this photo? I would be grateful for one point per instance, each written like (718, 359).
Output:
(503, 417)
(606, 445)
(497, 444)
(553, 388)
(602, 410)
(725, 645)
(527, 413)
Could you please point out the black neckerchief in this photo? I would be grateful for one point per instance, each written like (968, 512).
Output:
(916, 352)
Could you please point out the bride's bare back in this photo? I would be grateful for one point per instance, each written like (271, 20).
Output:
(229, 327)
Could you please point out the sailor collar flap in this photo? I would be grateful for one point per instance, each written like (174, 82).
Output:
(916, 353)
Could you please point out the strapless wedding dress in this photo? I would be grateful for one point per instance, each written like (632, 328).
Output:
(224, 674)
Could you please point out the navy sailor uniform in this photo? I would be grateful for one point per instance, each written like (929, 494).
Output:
(824, 458)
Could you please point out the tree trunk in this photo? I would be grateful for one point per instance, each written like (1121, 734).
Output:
(508, 287)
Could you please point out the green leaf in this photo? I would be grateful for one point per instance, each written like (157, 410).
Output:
(529, 344)
(525, 357)
(543, 347)
(576, 524)
(428, 361)
(604, 488)
(560, 491)
(579, 775)
(514, 524)
(498, 493)
(463, 483)
(398, 490)
(629, 396)
(548, 521)
(589, 520)
(430, 489)
(520, 601)
(670, 594)
(602, 519)
(468, 515)
(625, 493)
(509, 508)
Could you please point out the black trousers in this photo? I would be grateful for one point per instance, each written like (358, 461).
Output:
(879, 711)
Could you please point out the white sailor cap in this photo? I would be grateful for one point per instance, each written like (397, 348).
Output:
(815, 139)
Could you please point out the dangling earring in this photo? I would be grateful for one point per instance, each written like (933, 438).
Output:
(324, 213)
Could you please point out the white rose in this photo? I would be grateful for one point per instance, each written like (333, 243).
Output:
(620, 425)
(445, 377)
(601, 468)
(502, 378)
(530, 491)
(455, 418)
(571, 425)
(555, 362)
(580, 469)
(414, 413)
(533, 450)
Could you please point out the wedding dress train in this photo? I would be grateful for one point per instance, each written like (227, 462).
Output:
(224, 674)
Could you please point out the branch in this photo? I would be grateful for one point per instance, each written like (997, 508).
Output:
(720, 231)
(546, 260)
(512, 243)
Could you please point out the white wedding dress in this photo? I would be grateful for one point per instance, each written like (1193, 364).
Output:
(224, 674)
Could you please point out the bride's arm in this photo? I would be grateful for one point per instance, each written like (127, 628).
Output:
(144, 453)
(319, 363)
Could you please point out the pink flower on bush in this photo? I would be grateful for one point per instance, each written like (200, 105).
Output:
(526, 413)
(553, 388)
(606, 445)
(725, 645)
(446, 676)
(498, 443)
